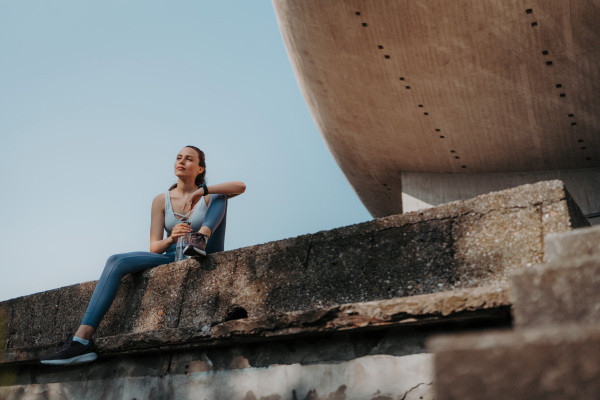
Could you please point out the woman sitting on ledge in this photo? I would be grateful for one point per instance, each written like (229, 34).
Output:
(205, 220)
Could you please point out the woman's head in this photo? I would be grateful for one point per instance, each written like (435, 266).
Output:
(190, 162)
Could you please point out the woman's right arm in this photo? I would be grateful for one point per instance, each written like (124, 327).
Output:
(157, 226)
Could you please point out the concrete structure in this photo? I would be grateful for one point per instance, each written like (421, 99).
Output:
(340, 314)
(554, 349)
(426, 102)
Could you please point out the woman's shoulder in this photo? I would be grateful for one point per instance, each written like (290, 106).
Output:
(159, 200)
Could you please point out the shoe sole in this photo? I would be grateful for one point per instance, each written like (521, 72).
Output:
(192, 251)
(84, 358)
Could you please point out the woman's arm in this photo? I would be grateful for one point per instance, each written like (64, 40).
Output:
(231, 189)
(157, 226)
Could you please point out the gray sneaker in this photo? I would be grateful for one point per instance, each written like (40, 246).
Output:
(197, 245)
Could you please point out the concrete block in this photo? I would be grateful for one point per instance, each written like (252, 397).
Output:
(549, 363)
(563, 292)
(573, 244)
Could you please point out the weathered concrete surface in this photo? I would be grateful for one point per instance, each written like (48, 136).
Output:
(465, 244)
(573, 244)
(549, 363)
(370, 377)
(562, 292)
(373, 350)
(486, 303)
(422, 86)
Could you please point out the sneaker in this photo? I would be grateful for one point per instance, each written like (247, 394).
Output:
(196, 246)
(72, 352)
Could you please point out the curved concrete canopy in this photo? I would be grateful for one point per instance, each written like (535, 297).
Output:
(437, 86)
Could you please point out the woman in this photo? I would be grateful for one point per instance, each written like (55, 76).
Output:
(205, 219)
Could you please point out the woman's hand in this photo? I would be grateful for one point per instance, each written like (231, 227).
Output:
(180, 230)
(193, 199)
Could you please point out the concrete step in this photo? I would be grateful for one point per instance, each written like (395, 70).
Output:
(566, 289)
(548, 363)
(563, 292)
(571, 245)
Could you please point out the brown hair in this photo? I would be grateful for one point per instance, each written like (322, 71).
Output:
(200, 179)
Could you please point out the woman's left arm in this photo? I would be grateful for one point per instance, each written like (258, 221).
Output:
(231, 189)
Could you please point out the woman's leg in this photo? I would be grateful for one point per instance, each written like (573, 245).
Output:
(80, 348)
(116, 267)
(215, 220)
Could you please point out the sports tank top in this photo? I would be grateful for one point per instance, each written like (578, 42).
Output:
(195, 217)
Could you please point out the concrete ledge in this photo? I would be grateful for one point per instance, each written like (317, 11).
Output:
(549, 363)
(439, 308)
(561, 292)
(572, 245)
(459, 245)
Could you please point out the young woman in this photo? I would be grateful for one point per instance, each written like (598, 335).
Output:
(205, 218)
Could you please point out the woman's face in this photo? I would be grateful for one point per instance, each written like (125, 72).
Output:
(186, 164)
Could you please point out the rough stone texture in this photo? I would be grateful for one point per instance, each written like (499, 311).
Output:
(571, 245)
(487, 303)
(546, 363)
(371, 377)
(557, 293)
(463, 244)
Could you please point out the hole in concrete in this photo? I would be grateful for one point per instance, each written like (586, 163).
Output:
(463, 166)
(364, 24)
(534, 24)
(571, 115)
(573, 123)
(425, 113)
(580, 141)
(563, 95)
(380, 47)
(441, 137)
(548, 62)
(437, 130)
(583, 148)
(457, 157)
(558, 85)
(408, 87)
(588, 159)
(529, 11)
(401, 78)
(357, 13)
(387, 56)
(420, 105)
(385, 184)
(545, 52)
(235, 312)
(452, 151)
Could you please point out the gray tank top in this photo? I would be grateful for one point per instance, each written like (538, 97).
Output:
(195, 217)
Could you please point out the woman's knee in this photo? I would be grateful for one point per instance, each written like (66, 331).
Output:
(115, 263)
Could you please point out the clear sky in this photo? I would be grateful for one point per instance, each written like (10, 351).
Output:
(98, 97)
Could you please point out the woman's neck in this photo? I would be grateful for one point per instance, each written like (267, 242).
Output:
(185, 187)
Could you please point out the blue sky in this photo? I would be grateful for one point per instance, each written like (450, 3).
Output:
(96, 100)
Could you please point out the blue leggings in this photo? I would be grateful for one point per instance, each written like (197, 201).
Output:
(127, 263)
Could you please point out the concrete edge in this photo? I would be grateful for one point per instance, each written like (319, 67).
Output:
(416, 310)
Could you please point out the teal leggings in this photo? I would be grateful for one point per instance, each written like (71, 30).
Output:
(119, 265)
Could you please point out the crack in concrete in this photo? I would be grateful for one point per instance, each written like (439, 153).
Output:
(413, 388)
(305, 263)
(182, 301)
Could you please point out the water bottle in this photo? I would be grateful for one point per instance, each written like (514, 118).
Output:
(181, 242)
